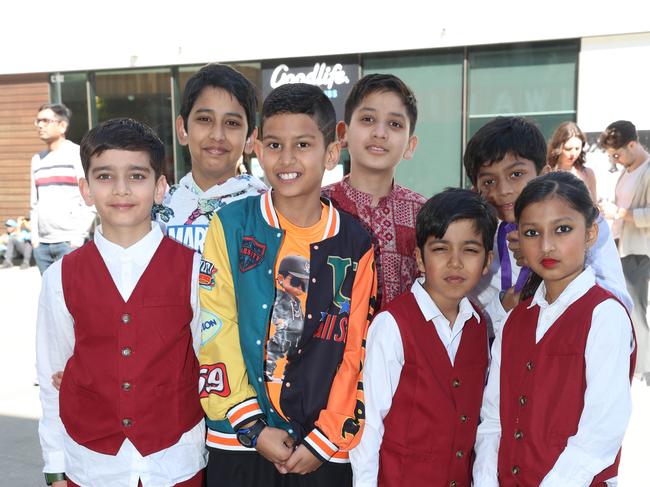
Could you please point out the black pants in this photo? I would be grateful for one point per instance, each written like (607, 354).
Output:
(250, 469)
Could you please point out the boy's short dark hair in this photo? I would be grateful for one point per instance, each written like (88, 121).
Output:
(302, 98)
(501, 136)
(618, 134)
(383, 83)
(451, 205)
(228, 79)
(122, 134)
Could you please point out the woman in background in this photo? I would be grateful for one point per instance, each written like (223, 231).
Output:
(566, 152)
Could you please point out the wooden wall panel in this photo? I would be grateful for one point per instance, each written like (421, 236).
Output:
(20, 97)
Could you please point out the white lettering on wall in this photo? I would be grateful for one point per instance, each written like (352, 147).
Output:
(321, 75)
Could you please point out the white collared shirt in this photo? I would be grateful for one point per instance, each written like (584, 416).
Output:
(382, 370)
(607, 403)
(602, 257)
(54, 346)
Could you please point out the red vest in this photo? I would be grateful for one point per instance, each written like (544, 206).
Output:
(542, 390)
(431, 426)
(133, 372)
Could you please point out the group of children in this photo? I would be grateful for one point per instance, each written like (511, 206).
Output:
(307, 320)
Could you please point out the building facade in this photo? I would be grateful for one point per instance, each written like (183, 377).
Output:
(463, 74)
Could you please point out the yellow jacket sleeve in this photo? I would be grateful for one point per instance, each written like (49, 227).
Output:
(224, 385)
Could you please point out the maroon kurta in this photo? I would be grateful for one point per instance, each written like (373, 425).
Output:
(430, 429)
(392, 226)
(133, 372)
(542, 390)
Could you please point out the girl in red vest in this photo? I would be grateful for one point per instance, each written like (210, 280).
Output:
(427, 355)
(558, 397)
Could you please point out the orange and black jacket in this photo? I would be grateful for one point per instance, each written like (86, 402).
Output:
(322, 393)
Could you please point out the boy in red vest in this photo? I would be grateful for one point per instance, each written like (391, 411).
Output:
(120, 315)
(427, 355)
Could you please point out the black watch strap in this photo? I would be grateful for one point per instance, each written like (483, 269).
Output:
(50, 478)
(248, 436)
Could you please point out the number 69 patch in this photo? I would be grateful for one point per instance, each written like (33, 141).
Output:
(213, 380)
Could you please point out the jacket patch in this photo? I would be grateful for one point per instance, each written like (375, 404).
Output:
(213, 379)
(211, 325)
(207, 270)
(251, 253)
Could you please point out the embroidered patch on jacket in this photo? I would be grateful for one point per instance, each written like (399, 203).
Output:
(211, 325)
(213, 379)
(207, 271)
(251, 254)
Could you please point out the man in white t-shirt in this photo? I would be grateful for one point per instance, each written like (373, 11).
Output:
(60, 219)
(631, 225)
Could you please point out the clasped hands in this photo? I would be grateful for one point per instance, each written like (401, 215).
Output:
(277, 446)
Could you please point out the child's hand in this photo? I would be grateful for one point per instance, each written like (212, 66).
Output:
(513, 245)
(276, 445)
(510, 299)
(57, 378)
(302, 461)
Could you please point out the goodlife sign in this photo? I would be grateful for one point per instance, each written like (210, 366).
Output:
(335, 76)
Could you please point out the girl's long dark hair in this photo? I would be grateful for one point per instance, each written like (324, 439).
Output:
(560, 184)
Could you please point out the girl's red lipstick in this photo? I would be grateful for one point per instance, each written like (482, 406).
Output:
(549, 263)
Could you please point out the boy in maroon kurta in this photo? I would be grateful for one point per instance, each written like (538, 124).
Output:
(380, 116)
(427, 355)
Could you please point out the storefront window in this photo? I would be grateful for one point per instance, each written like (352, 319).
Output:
(144, 95)
(70, 89)
(534, 81)
(436, 78)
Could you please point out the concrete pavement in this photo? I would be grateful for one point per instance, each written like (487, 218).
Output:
(20, 456)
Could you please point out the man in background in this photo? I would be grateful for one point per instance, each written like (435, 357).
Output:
(60, 219)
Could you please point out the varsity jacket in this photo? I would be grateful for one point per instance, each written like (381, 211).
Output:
(322, 392)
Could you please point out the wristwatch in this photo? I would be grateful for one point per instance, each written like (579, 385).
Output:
(248, 436)
(50, 478)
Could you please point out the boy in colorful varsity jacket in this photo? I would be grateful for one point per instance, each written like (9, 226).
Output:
(301, 414)
(427, 355)
(217, 123)
(121, 316)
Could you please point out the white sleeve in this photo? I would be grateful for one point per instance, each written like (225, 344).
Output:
(33, 197)
(606, 263)
(54, 346)
(195, 325)
(486, 294)
(488, 434)
(607, 403)
(381, 373)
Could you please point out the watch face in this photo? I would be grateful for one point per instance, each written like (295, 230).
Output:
(244, 440)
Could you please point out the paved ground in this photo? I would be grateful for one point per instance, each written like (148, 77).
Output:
(20, 457)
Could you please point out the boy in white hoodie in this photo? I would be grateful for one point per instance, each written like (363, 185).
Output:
(217, 123)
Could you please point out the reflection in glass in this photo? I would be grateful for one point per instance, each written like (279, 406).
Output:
(144, 95)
